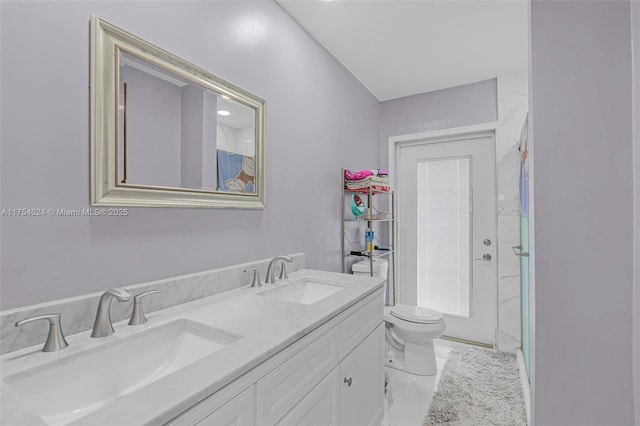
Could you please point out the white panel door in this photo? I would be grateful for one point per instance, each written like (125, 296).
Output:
(447, 232)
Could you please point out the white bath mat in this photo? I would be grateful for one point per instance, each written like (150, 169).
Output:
(478, 387)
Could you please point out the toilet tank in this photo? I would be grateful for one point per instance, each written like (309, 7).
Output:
(380, 268)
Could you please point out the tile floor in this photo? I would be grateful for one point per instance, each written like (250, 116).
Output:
(408, 401)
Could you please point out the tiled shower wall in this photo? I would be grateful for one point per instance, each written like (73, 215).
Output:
(512, 109)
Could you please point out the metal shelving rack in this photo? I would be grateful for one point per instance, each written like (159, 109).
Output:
(372, 253)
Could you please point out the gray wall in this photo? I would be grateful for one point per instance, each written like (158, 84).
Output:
(582, 138)
(153, 129)
(635, 28)
(459, 106)
(191, 136)
(209, 140)
(319, 118)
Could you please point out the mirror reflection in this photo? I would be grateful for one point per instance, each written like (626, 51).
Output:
(167, 133)
(175, 133)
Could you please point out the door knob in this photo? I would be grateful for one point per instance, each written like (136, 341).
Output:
(486, 257)
(348, 381)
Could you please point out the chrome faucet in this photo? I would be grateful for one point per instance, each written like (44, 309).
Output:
(55, 338)
(102, 327)
(271, 276)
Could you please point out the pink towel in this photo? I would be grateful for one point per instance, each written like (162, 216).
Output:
(372, 188)
(371, 180)
(349, 175)
(359, 175)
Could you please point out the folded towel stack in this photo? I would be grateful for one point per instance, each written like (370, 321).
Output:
(376, 179)
(362, 174)
(372, 188)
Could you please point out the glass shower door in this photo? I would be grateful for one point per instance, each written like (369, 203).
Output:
(524, 281)
(524, 246)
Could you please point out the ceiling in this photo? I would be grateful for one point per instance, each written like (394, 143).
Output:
(240, 116)
(399, 48)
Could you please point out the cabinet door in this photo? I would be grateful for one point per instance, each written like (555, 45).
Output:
(362, 382)
(237, 412)
(318, 407)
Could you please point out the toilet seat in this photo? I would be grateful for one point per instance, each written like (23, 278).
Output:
(416, 314)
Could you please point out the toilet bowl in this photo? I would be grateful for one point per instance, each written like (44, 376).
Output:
(410, 331)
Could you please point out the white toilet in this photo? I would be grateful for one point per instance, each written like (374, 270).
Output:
(410, 331)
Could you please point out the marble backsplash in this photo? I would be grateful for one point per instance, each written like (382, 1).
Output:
(78, 313)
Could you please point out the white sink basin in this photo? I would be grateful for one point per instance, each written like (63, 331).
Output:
(305, 291)
(72, 387)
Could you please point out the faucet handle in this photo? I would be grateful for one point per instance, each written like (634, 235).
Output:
(256, 277)
(55, 338)
(137, 315)
(283, 270)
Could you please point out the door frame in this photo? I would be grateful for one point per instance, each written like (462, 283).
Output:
(439, 136)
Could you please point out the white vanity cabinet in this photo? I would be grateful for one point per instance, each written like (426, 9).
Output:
(331, 376)
(351, 395)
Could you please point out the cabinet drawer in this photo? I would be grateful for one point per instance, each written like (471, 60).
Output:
(358, 326)
(283, 387)
(213, 403)
(238, 412)
(319, 407)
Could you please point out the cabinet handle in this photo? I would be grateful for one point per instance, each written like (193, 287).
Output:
(348, 381)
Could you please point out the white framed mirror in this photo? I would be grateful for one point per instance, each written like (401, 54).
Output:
(166, 133)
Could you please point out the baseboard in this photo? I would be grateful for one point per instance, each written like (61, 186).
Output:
(524, 381)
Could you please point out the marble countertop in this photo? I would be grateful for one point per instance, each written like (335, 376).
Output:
(267, 326)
